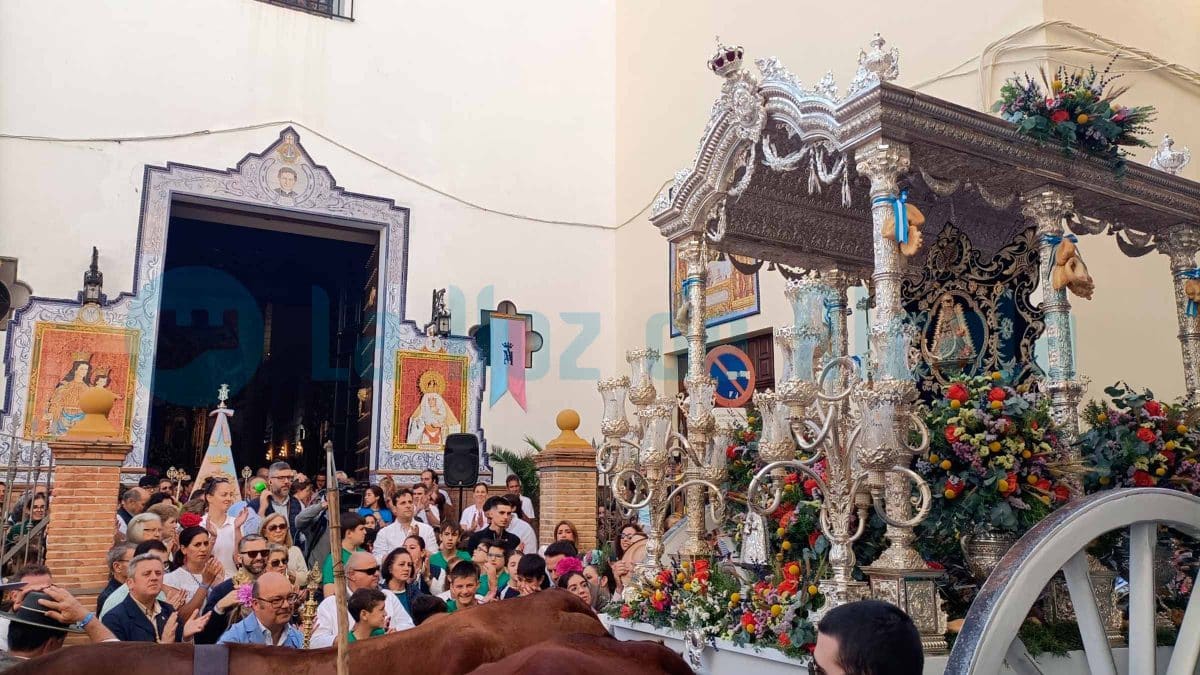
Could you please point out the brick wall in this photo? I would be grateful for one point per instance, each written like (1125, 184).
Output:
(567, 472)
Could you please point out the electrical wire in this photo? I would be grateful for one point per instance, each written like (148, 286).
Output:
(361, 155)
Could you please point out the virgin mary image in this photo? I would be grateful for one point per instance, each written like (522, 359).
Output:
(433, 420)
(63, 411)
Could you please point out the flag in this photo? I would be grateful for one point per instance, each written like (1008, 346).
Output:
(218, 458)
(507, 355)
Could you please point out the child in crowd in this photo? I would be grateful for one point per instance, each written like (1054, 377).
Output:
(531, 574)
(492, 574)
(448, 551)
(464, 582)
(511, 589)
(366, 605)
(426, 606)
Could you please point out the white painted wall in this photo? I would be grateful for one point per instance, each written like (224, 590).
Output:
(562, 111)
(508, 106)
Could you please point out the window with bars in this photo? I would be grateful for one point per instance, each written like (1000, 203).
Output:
(341, 9)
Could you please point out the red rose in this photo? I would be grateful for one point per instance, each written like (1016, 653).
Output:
(702, 567)
(788, 586)
(951, 433)
(731, 451)
(1169, 455)
(812, 538)
(1145, 435)
(1059, 116)
(1044, 485)
(1034, 425)
(626, 611)
(784, 640)
(791, 479)
(997, 394)
(810, 485)
(957, 392)
(1062, 493)
(1153, 408)
(189, 520)
(1143, 479)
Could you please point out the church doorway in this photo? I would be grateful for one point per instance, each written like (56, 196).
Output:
(282, 311)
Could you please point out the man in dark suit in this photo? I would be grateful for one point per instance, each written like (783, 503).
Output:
(141, 617)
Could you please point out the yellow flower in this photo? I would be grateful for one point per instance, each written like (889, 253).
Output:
(1169, 445)
(950, 494)
(1032, 479)
(657, 583)
(659, 595)
(812, 589)
(1045, 499)
(787, 546)
(945, 465)
(688, 586)
(994, 446)
(996, 405)
(1105, 480)
(1182, 428)
(680, 577)
(1101, 418)
(780, 532)
(776, 610)
(1081, 119)
(1160, 471)
(779, 556)
(955, 404)
(794, 569)
(933, 458)
(996, 375)
(1026, 455)
(735, 597)
(1056, 85)
(1002, 485)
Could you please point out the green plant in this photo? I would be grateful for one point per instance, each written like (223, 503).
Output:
(523, 466)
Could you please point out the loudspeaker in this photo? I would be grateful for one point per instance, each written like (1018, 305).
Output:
(460, 462)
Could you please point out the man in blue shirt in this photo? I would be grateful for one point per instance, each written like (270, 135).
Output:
(269, 624)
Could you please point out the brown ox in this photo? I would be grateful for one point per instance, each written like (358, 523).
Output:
(451, 644)
(589, 655)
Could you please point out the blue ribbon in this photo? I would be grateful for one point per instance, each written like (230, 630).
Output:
(687, 284)
(1054, 240)
(1194, 273)
(897, 202)
(829, 307)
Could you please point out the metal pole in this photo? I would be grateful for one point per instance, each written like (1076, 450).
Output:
(333, 501)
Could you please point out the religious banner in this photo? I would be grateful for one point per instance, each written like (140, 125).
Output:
(67, 360)
(218, 458)
(431, 399)
(507, 341)
(508, 373)
(729, 293)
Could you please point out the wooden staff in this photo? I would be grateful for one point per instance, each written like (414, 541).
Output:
(333, 502)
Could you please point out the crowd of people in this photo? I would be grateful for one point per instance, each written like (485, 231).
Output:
(232, 563)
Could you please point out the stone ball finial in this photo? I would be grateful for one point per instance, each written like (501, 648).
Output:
(95, 403)
(567, 420)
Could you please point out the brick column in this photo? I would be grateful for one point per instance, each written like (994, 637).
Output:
(87, 476)
(567, 471)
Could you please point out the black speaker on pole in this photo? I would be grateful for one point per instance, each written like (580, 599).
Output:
(460, 462)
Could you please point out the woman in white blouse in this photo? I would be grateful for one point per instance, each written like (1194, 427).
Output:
(219, 494)
(473, 517)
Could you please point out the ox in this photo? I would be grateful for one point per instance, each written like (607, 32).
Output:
(581, 654)
(452, 644)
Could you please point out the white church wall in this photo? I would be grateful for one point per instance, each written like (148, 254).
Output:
(507, 107)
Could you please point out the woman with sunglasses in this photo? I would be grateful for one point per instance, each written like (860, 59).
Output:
(631, 549)
(277, 561)
(400, 578)
(275, 529)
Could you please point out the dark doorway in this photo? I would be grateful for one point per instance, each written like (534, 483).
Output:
(275, 315)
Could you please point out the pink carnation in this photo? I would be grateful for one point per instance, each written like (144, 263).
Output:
(568, 565)
(245, 594)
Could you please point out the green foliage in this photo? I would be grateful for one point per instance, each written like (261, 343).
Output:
(523, 466)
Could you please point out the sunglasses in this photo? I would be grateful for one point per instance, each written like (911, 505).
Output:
(369, 571)
(281, 602)
(255, 554)
(276, 528)
(277, 563)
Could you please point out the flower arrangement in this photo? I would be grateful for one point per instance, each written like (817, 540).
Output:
(719, 605)
(1138, 441)
(994, 458)
(1076, 110)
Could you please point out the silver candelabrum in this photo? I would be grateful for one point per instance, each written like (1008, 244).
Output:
(860, 429)
(650, 463)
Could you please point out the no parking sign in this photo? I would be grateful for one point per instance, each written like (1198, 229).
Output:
(734, 373)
